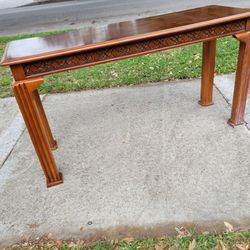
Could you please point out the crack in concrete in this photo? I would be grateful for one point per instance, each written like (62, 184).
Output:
(11, 136)
(7, 155)
(227, 98)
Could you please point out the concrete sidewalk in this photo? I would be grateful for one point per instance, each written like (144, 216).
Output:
(136, 161)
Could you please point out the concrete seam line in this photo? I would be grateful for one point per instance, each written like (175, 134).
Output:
(229, 103)
(224, 97)
(10, 137)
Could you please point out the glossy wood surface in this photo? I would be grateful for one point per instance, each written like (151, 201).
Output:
(117, 33)
(36, 122)
(207, 76)
(241, 81)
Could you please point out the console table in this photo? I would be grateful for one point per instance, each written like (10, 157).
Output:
(31, 59)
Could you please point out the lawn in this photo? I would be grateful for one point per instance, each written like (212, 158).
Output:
(184, 240)
(180, 63)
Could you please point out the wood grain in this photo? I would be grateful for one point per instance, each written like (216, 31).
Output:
(137, 48)
(120, 33)
(241, 81)
(44, 120)
(207, 78)
(23, 92)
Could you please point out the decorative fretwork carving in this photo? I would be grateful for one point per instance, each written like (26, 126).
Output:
(83, 59)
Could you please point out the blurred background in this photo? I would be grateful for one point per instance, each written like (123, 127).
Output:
(30, 16)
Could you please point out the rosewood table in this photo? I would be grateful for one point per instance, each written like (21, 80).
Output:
(31, 59)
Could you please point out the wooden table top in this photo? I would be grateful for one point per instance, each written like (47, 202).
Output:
(26, 50)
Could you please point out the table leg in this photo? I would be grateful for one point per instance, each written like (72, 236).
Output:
(207, 79)
(52, 141)
(241, 81)
(27, 102)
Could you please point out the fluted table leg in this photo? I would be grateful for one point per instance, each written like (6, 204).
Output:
(241, 80)
(38, 128)
(52, 141)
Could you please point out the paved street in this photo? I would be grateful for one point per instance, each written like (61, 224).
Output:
(13, 3)
(139, 160)
(82, 13)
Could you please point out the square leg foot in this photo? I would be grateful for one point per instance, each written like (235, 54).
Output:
(206, 104)
(54, 146)
(233, 124)
(60, 181)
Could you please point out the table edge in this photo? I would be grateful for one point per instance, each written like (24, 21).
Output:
(123, 40)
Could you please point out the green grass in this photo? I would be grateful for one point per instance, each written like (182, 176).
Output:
(190, 241)
(180, 63)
